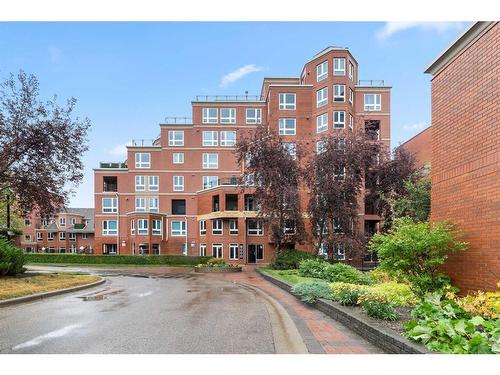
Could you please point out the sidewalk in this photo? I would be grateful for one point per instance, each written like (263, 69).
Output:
(320, 333)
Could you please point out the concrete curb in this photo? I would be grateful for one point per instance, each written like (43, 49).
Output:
(37, 296)
(384, 338)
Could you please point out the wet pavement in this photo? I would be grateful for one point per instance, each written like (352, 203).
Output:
(171, 313)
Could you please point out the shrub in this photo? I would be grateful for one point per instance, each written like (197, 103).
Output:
(314, 268)
(378, 308)
(417, 250)
(395, 293)
(347, 294)
(309, 292)
(340, 272)
(12, 259)
(216, 263)
(290, 259)
(442, 325)
(480, 303)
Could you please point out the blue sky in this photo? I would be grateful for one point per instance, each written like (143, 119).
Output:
(128, 76)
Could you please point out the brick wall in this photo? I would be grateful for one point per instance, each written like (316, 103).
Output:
(420, 145)
(466, 159)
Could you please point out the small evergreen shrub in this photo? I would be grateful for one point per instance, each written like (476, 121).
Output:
(309, 292)
(314, 268)
(290, 259)
(379, 309)
(12, 259)
(347, 294)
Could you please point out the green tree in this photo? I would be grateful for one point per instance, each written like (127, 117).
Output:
(417, 250)
(416, 202)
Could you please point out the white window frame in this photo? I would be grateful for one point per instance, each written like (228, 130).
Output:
(233, 251)
(283, 126)
(351, 122)
(140, 207)
(256, 119)
(203, 249)
(132, 226)
(351, 96)
(322, 97)
(140, 183)
(375, 107)
(206, 182)
(210, 138)
(72, 221)
(230, 118)
(173, 138)
(233, 229)
(153, 183)
(181, 231)
(39, 236)
(322, 123)
(203, 227)
(291, 148)
(62, 221)
(208, 118)
(108, 231)
(140, 163)
(259, 231)
(339, 93)
(340, 250)
(62, 236)
(224, 141)
(178, 158)
(284, 105)
(50, 236)
(322, 71)
(351, 71)
(113, 208)
(216, 231)
(153, 207)
(320, 145)
(156, 227)
(218, 246)
(72, 236)
(339, 66)
(84, 236)
(178, 183)
(142, 227)
(207, 163)
(339, 119)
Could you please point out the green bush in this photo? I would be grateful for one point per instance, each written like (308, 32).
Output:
(290, 259)
(337, 272)
(394, 293)
(379, 309)
(314, 268)
(12, 259)
(347, 294)
(172, 260)
(443, 326)
(309, 292)
(216, 263)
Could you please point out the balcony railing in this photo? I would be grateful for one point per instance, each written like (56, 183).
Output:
(371, 82)
(178, 120)
(113, 165)
(228, 98)
(144, 142)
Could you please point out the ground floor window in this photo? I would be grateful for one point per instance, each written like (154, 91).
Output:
(217, 251)
(233, 251)
(155, 249)
(184, 249)
(203, 250)
(109, 248)
(255, 252)
(72, 249)
(62, 249)
(323, 251)
(340, 251)
(28, 250)
(144, 249)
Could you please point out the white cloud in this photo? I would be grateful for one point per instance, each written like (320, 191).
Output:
(391, 28)
(118, 150)
(54, 54)
(416, 126)
(238, 74)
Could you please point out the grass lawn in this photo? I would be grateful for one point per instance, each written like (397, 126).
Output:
(290, 276)
(18, 286)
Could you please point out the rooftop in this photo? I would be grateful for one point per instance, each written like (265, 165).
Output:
(228, 98)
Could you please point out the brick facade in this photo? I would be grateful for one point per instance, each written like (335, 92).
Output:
(420, 145)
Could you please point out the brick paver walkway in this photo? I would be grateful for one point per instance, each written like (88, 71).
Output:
(321, 334)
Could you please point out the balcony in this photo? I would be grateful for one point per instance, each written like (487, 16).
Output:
(146, 142)
(112, 165)
(178, 120)
(371, 82)
(229, 98)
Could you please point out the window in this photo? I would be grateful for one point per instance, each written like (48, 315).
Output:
(320, 147)
(176, 137)
(322, 123)
(217, 251)
(287, 101)
(62, 221)
(210, 161)
(351, 96)
(340, 251)
(203, 249)
(217, 226)
(250, 204)
(339, 119)
(142, 226)
(372, 102)
(72, 221)
(233, 251)
(109, 227)
(289, 227)
(153, 182)
(339, 67)
(178, 228)
(178, 183)
(140, 183)
(72, 236)
(39, 236)
(178, 158)
(210, 181)
(210, 138)
(27, 222)
(153, 204)
(291, 148)
(50, 236)
(351, 122)
(110, 183)
(203, 227)
(62, 249)
(62, 236)
(178, 206)
(254, 115)
(233, 226)
(84, 236)
(227, 116)
(227, 138)
(156, 227)
(72, 249)
(142, 160)
(339, 93)
(132, 226)
(210, 116)
(254, 228)
(27, 237)
(351, 71)
(109, 205)
(140, 204)
(322, 97)
(322, 71)
(287, 126)
(215, 203)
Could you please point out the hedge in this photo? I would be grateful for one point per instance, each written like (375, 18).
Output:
(177, 260)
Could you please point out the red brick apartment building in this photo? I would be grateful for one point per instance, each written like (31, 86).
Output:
(466, 151)
(420, 146)
(69, 230)
(178, 193)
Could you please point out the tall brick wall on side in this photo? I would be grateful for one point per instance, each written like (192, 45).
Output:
(466, 159)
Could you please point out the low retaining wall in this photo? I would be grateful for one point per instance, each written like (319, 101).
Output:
(379, 335)
(217, 270)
